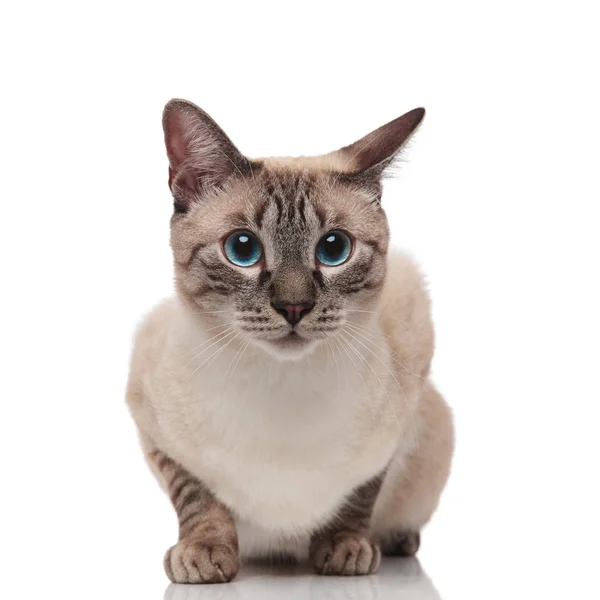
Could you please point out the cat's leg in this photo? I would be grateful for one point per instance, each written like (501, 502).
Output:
(345, 546)
(207, 551)
(414, 481)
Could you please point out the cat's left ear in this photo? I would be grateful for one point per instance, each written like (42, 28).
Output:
(374, 152)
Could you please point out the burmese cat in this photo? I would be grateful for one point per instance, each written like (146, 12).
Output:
(282, 397)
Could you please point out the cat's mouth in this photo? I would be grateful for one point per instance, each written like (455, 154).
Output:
(290, 346)
(290, 340)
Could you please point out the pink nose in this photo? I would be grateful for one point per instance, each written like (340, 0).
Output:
(293, 313)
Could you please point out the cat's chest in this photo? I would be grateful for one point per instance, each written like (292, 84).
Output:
(284, 448)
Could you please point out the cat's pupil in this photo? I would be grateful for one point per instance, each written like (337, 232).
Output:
(243, 246)
(334, 246)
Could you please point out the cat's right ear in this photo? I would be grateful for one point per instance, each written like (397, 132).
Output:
(201, 156)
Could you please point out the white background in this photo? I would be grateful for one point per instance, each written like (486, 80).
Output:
(499, 203)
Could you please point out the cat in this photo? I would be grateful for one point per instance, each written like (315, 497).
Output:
(283, 397)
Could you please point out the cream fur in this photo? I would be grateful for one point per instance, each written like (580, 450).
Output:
(282, 444)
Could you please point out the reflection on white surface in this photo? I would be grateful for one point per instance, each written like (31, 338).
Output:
(400, 579)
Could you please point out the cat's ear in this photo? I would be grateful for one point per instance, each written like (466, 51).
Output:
(374, 152)
(201, 156)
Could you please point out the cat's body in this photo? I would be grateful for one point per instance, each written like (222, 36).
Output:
(345, 434)
(282, 444)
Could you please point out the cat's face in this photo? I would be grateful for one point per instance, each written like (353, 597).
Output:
(286, 253)
(281, 253)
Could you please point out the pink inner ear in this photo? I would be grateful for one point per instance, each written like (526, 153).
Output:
(176, 144)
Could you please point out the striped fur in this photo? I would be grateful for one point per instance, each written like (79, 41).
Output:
(345, 546)
(207, 551)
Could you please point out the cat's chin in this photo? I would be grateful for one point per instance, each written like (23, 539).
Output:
(288, 348)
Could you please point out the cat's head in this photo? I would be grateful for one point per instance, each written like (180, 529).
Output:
(282, 253)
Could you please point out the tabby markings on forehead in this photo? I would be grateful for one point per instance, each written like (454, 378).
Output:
(260, 214)
(289, 192)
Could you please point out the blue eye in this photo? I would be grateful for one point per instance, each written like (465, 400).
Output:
(334, 248)
(242, 248)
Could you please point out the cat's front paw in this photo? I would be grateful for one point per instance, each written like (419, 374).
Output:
(194, 560)
(345, 553)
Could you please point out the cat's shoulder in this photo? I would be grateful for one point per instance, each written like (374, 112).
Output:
(148, 347)
(157, 321)
(152, 333)
(405, 282)
(405, 309)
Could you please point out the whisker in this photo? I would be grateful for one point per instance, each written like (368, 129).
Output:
(350, 356)
(391, 352)
(385, 391)
(395, 379)
(360, 371)
(213, 355)
(238, 356)
(347, 354)
(328, 345)
(370, 332)
(221, 325)
(334, 347)
(339, 346)
(228, 327)
(229, 367)
(222, 336)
